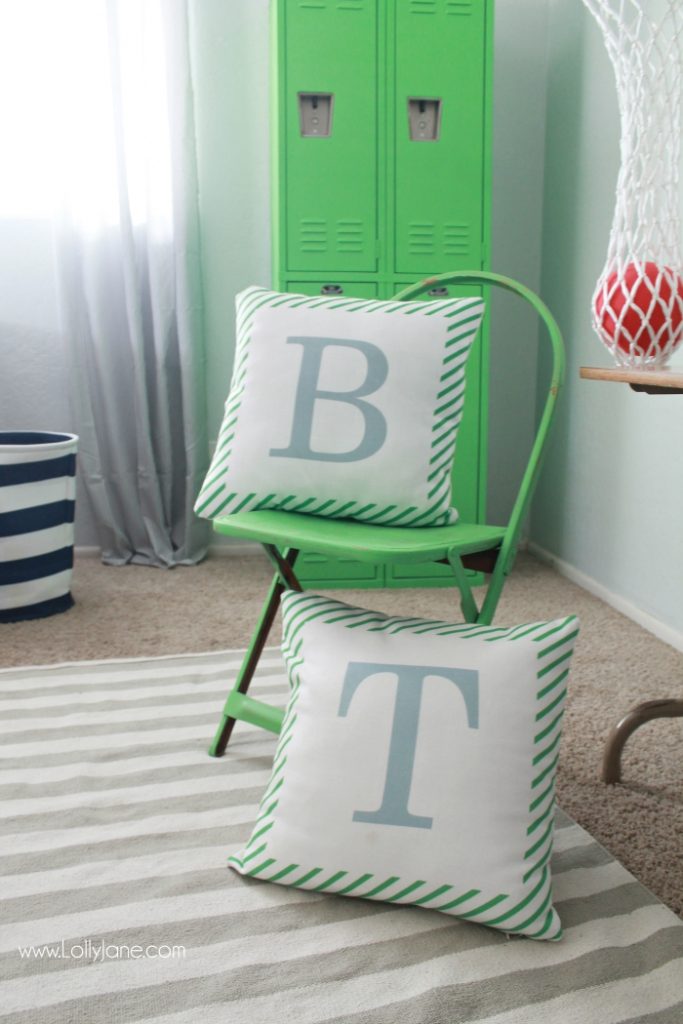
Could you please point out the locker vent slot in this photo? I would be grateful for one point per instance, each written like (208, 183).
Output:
(313, 235)
(421, 239)
(350, 236)
(456, 239)
(459, 8)
(341, 5)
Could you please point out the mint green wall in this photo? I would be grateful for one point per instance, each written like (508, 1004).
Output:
(231, 76)
(609, 500)
(230, 73)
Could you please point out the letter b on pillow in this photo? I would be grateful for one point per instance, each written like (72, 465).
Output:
(343, 408)
(308, 392)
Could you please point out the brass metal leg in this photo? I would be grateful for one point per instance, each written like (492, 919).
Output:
(637, 716)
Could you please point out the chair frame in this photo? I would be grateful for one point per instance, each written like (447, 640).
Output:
(476, 547)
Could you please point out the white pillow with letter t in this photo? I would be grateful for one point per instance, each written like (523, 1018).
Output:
(346, 408)
(416, 764)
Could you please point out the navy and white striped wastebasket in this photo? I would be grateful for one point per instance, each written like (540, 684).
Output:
(37, 501)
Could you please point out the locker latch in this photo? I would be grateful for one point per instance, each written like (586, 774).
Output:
(315, 114)
(424, 119)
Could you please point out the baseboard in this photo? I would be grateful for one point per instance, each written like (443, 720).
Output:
(661, 630)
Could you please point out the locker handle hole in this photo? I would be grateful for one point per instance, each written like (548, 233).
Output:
(315, 114)
(424, 119)
(331, 289)
(438, 293)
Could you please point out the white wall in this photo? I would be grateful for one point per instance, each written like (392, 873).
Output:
(612, 489)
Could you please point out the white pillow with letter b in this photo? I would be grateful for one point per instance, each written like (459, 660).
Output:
(345, 408)
(416, 764)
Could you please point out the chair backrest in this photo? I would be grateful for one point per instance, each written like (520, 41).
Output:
(486, 279)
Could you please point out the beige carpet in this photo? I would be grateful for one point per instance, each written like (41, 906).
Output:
(133, 611)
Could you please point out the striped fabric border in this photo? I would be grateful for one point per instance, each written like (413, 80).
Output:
(37, 501)
(114, 824)
(533, 914)
(217, 498)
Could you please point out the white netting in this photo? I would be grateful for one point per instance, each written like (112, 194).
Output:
(638, 300)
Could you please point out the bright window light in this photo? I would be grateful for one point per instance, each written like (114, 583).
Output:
(84, 112)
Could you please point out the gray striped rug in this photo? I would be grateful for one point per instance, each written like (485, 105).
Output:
(116, 828)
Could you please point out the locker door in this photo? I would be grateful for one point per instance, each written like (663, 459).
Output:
(440, 55)
(330, 134)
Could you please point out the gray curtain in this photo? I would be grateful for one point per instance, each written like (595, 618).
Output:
(131, 290)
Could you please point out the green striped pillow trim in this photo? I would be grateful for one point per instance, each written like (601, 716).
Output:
(217, 499)
(533, 915)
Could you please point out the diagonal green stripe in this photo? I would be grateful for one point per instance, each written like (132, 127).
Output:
(212, 497)
(261, 867)
(330, 881)
(539, 842)
(543, 859)
(383, 885)
(405, 892)
(549, 728)
(541, 910)
(555, 628)
(541, 797)
(433, 895)
(285, 871)
(558, 643)
(484, 907)
(550, 917)
(546, 771)
(469, 895)
(547, 750)
(354, 885)
(306, 878)
(522, 903)
(551, 707)
(552, 684)
(541, 818)
(554, 664)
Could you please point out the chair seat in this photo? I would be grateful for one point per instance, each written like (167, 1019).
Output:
(361, 541)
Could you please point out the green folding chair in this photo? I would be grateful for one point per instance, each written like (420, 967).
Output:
(475, 546)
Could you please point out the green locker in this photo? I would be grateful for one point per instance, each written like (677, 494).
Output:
(381, 176)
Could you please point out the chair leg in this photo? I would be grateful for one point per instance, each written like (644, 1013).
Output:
(482, 616)
(468, 605)
(492, 596)
(248, 666)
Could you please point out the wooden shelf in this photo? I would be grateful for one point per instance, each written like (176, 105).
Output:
(653, 382)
